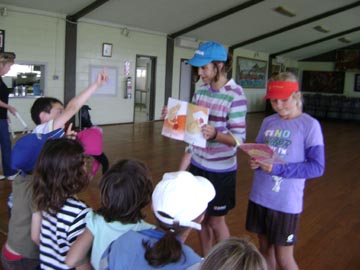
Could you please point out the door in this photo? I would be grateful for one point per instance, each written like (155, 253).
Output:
(144, 88)
(187, 86)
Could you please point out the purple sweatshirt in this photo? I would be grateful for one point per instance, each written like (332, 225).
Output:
(300, 143)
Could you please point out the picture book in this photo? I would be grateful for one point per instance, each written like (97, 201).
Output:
(261, 152)
(184, 121)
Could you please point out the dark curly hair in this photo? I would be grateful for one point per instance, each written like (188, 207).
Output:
(59, 174)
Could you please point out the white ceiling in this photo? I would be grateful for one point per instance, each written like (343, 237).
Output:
(170, 16)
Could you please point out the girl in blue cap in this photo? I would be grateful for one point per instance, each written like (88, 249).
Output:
(225, 131)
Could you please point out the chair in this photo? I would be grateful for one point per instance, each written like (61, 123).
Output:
(322, 106)
(335, 107)
(309, 104)
(356, 109)
(347, 109)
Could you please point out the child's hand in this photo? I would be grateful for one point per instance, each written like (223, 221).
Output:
(102, 78)
(208, 132)
(255, 164)
(163, 112)
(71, 134)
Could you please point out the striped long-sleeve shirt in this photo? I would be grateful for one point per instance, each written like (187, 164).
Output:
(227, 108)
(59, 231)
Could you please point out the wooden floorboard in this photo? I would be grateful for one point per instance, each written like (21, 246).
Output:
(329, 236)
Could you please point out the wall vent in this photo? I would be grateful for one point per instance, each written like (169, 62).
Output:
(186, 43)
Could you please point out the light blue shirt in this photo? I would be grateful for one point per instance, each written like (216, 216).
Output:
(104, 233)
(122, 255)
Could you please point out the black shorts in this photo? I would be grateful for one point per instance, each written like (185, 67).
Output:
(280, 228)
(225, 187)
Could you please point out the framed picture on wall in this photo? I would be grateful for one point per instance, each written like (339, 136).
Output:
(323, 81)
(2, 40)
(357, 83)
(107, 49)
(111, 87)
(250, 73)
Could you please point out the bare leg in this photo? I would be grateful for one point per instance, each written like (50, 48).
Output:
(268, 251)
(285, 258)
(214, 229)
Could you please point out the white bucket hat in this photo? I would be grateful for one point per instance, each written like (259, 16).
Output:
(183, 197)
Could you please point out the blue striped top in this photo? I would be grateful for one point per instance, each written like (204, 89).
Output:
(59, 231)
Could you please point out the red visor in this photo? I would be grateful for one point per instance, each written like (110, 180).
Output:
(281, 90)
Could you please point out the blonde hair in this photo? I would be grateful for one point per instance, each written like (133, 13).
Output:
(289, 77)
(283, 77)
(234, 254)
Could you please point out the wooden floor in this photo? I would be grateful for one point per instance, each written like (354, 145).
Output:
(329, 236)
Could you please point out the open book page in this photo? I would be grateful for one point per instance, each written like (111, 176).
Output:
(261, 152)
(197, 116)
(184, 121)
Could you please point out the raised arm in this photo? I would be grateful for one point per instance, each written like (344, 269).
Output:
(78, 101)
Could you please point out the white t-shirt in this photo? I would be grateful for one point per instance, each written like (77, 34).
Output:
(45, 127)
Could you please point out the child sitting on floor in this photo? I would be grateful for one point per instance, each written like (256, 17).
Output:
(60, 174)
(179, 202)
(125, 190)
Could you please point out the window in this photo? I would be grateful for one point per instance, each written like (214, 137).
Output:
(25, 80)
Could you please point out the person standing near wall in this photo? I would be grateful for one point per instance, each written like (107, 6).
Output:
(7, 59)
(225, 130)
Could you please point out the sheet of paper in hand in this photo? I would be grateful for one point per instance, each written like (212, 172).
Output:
(184, 121)
(261, 152)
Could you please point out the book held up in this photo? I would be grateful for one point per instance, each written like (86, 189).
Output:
(184, 121)
(261, 152)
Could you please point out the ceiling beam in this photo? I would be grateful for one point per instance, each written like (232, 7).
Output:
(295, 25)
(70, 49)
(331, 55)
(86, 10)
(216, 17)
(355, 29)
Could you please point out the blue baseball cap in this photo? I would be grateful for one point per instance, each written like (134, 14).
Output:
(208, 52)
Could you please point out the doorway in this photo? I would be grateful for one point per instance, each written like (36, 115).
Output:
(144, 95)
(187, 85)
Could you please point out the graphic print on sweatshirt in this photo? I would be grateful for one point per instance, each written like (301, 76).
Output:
(279, 140)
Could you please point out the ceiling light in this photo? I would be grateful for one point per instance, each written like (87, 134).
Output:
(321, 29)
(284, 11)
(344, 40)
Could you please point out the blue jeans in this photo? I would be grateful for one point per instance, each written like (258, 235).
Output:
(5, 144)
